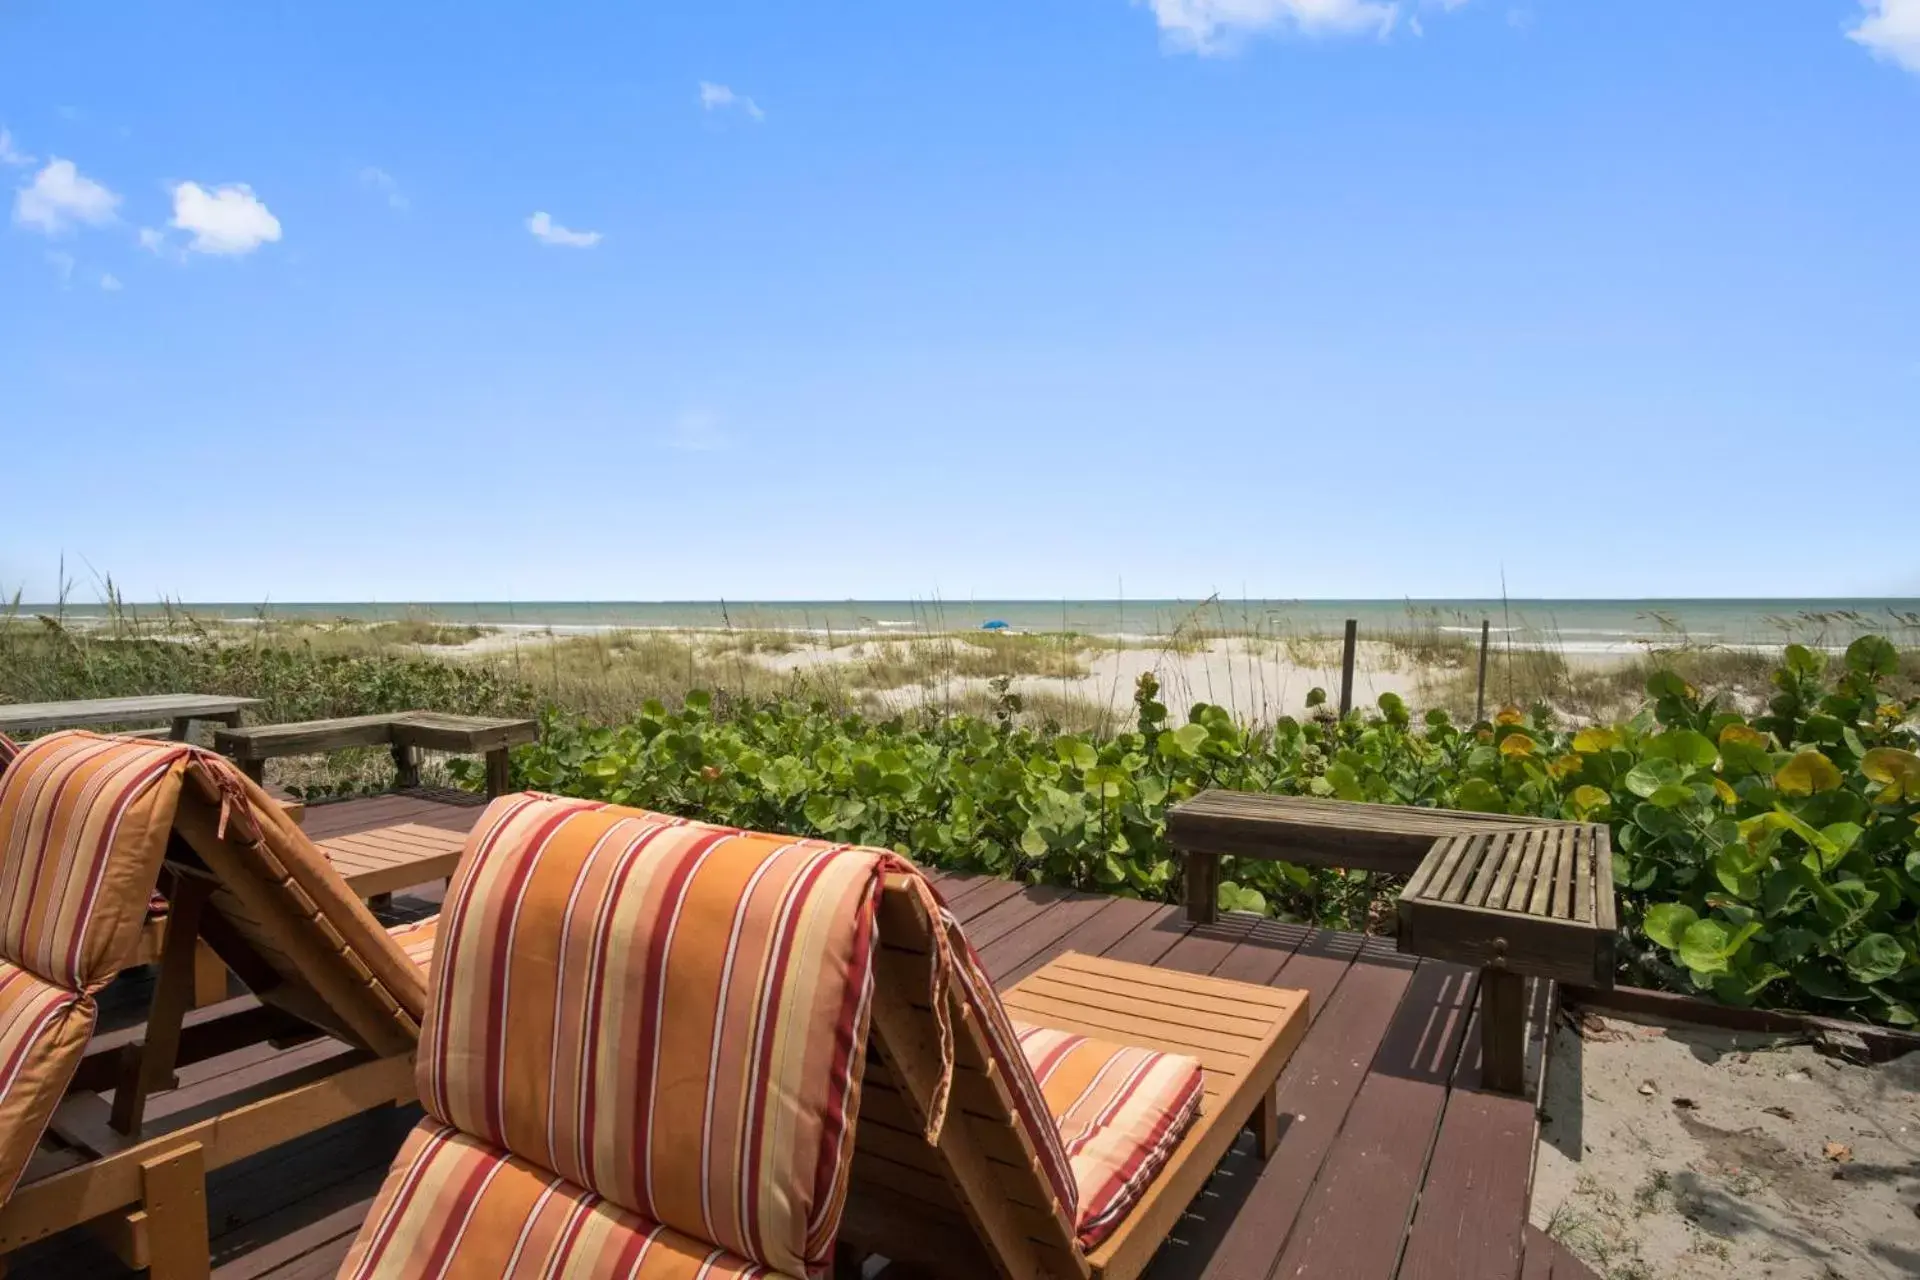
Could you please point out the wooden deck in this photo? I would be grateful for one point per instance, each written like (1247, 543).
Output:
(1392, 1162)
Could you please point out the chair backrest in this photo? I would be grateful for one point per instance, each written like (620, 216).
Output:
(83, 824)
(285, 921)
(670, 1015)
(970, 1170)
(84, 820)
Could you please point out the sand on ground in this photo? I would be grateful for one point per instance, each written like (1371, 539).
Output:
(1687, 1152)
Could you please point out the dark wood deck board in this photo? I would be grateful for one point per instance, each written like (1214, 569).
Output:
(1390, 1156)
(1366, 1190)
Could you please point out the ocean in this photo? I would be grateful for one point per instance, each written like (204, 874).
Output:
(1596, 626)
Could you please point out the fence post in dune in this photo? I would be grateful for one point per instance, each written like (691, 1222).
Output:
(1346, 666)
(1480, 689)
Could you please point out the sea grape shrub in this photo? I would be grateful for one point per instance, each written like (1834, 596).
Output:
(1774, 860)
(1771, 860)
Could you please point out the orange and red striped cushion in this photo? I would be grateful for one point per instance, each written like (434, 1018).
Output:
(83, 824)
(1120, 1111)
(416, 939)
(669, 1014)
(453, 1208)
(43, 1033)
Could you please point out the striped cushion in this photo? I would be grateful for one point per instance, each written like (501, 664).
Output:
(669, 1014)
(1121, 1111)
(83, 823)
(43, 1033)
(453, 1208)
(416, 939)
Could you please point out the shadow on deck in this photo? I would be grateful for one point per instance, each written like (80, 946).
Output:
(1392, 1161)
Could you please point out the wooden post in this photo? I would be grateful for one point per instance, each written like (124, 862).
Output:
(1480, 691)
(499, 772)
(182, 729)
(1203, 887)
(406, 766)
(173, 1192)
(1503, 1028)
(1346, 666)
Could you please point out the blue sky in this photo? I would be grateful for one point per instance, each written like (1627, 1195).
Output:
(1046, 298)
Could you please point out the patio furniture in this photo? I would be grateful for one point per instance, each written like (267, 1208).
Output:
(978, 1199)
(1534, 902)
(642, 1058)
(88, 822)
(178, 711)
(1312, 832)
(405, 733)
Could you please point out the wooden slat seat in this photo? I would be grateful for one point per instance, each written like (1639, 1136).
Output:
(1313, 832)
(1535, 901)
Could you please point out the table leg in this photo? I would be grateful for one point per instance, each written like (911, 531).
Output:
(1203, 887)
(1503, 1029)
(499, 773)
(182, 729)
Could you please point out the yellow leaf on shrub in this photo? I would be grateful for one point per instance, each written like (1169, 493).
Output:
(1588, 799)
(1725, 792)
(1509, 715)
(1898, 770)
(1516, 744)
(1807, 773)
(1595, 739)
(1745, 735)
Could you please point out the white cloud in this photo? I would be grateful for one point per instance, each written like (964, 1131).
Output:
(8, 155)
(377, 179)
(151, 240)
(1891, 28)
(60, 196)
(698, 431)
(109, 282)
(718, 97)
(228, 220)
(547, 231)
(1218, 26)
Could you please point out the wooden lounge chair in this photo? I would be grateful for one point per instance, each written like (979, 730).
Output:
(977, 1201)
(90, 821)
(656, 1046)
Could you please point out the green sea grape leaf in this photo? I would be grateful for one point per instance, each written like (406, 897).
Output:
(1666, 922)
(1649, 776)
(1873, 656)
(1683, 746)
(1875, 958)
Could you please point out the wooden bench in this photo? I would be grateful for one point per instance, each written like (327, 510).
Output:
(405, 733)
(1518, 896)
(180, 710)
(1310, 832)
(1537, 901)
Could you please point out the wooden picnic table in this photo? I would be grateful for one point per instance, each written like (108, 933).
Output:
(179, 710)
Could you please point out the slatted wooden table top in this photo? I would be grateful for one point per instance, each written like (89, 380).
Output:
(389, 859)
(21, 717)
(1539, 897)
